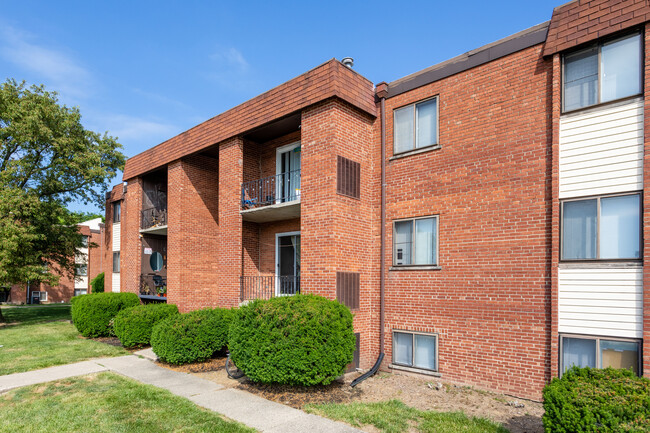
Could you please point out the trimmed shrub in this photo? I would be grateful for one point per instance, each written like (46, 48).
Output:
(591, 400)
(191, 337)
(297, 340)
(92, 313)
(133, 325)
(97, 283)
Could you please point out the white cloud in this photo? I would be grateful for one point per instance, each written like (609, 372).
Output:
(136, 129)
(60, 71)
(229, 59)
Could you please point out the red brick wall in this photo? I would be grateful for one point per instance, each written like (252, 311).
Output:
(193, 233)
(584, 21)
(131, 248)
(340, 233)
(490, 184)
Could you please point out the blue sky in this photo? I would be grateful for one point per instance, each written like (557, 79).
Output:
(145, 71)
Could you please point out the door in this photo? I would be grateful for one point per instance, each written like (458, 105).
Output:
(287, 253)
(288, 171)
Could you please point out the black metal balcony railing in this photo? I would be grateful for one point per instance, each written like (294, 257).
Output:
(153, 285)
(267, 287)
(281, 188)
(153, 217)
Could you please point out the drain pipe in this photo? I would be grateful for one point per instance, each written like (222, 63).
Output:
(381, 92)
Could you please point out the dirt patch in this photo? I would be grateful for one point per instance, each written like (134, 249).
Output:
(518, 416)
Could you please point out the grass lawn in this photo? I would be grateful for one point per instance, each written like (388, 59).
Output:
(395, 417)
(105, 402)
(41, 338)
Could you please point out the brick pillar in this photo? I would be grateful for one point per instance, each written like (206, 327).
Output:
(646, 209)
(193, 233)
(131, 252)
(229, 253)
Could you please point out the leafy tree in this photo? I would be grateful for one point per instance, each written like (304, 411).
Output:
(47, 159)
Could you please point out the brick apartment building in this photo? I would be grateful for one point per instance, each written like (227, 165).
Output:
(89, 264)
(506, 245)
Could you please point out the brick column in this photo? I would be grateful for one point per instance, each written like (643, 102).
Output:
(229, 253)
(193, 233)
(131, 251)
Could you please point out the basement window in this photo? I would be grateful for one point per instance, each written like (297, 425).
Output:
(602, 73)
(415, 349)
(596, 352)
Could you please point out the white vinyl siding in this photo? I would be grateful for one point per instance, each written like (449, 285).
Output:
(81, 282)
(601, 301)
(601, 150)
(115, 283)
(116, 236)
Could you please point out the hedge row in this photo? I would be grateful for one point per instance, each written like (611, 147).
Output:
(133, 326)
(297, 340)
(191, 337)
(592, 400)
(92, 313)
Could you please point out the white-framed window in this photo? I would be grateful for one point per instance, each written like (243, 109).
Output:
(602, 73)
(415, 349)
(84, 241)
(117, 212)
(81, 270)
(601, 228)
(42, 295)
(116, 262)
(415, 126)
(415, 241)
(599, 352)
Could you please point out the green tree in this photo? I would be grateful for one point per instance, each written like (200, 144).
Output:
(47, 159)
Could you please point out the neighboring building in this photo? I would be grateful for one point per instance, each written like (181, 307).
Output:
(88, 264)
(514, 196)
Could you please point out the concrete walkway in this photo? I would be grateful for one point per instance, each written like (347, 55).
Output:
(249, 409)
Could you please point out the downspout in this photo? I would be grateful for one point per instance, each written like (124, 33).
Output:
(381, 92)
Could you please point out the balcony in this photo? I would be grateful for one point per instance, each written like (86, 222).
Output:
(153, 221)
(153, 287)
(267, 287)
(272, 198)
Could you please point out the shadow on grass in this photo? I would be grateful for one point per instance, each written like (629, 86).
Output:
(35, 314)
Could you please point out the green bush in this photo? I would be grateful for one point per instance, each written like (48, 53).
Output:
(297, 340)
(92, 313)
(591, 400)
(97, 283)
(133, 325)
(191, 337)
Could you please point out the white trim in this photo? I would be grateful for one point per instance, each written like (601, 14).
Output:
(277, 257)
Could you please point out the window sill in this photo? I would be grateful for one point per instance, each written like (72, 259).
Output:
(591, 264)
(415, 152)
(414, 370)
(415, 268)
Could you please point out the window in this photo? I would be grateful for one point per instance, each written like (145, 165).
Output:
(598, 352)
(602, 228)
(602, 73)
(416, 350)
(116, 262)
(78, 292)
(416, 126)
(84, 241)
(41, 296)
(117, 211)
(415, 242)
(81, 270)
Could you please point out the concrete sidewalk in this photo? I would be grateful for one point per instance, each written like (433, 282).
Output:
(249, 409)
